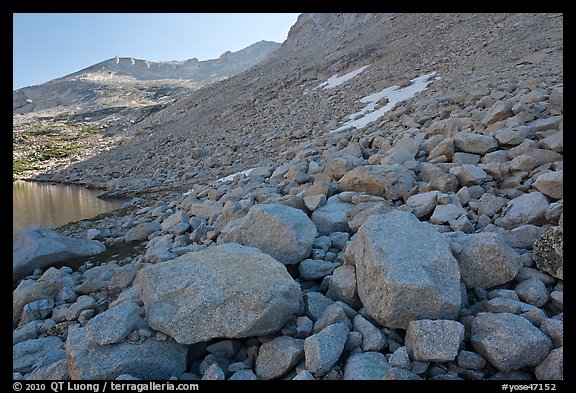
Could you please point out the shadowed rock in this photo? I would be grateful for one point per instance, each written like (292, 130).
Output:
(37, 247)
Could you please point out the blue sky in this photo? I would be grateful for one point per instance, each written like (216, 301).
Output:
(51, 45)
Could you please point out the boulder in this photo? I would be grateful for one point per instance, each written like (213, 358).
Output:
(391, 181)
(332, 217)
(142, 231)
(469, 175)
(500, 110)
(422, 204)
(342, 285)
(47, 287)
(533, 291)
(283, 232)
(366, 366)
(408, 263)
(551, 184)
(549, 252)
(36, 310)
(278, 356)
(224, 291)
(323, 349)
(434, 340)
(37, 247)
(372, 338)
(551, 368)
(487, 260)
(527, 208)
(312, 269)
(509, 342)
(177, 223)
(151, 359)
(115, 324)
(470, 142)
(489, 204)
(445, 213)
(29, 355)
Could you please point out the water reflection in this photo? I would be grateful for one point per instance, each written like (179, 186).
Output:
(55, 204)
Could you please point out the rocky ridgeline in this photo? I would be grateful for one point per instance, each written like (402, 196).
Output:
(428, 245)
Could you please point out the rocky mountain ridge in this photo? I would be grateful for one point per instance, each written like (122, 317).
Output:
(82, 112)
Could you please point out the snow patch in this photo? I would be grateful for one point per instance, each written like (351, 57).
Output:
(231, 177)
(394, 94)
(336, 80)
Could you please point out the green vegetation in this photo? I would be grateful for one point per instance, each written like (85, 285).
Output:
(37, 144)
(21, 165)
(59, 151)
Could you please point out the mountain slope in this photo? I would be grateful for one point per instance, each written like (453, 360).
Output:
(78, 115)
(259, 114)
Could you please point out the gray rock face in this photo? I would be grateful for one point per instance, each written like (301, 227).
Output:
(151, 359)
(224, 291)
(528, 208)
(549, 252)
(390, 181)
(332, 217)
(408, 263)
(434, 340)
(487, 260)
(509, 342)
(283, 232)
(323, 349)
(37, 247)
(523, 236)
(551, 368)
(512, 136)
(114, 324)
(366, 366)
(278, 356)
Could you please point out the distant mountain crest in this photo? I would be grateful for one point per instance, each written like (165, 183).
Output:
(229, 63)
(122, 82)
